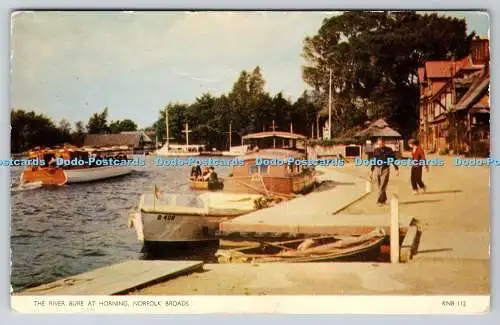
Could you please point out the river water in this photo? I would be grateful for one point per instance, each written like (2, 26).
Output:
(59, 232)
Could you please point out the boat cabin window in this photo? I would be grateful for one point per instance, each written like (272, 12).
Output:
(191, 201)
(80, 155)
(274, 142)
(253, 169)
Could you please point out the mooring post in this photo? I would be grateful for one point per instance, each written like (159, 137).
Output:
(394, 229)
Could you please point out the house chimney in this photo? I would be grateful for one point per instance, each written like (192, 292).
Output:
(479, 50)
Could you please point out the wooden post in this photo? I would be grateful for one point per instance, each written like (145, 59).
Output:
(187, 130)
(154, 197)
(394, 229)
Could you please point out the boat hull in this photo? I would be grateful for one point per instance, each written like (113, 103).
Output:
(177, 154)
(364, 250)
(203, 185)
(58, 176)
(48, 176)
(264, 184)
(187, 219)
(95, 174)
(177, 228)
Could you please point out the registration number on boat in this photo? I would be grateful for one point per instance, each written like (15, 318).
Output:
(165, 217)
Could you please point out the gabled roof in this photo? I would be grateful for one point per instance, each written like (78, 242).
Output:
(475, 93)
(121, 139)
(445, 68)
(145, 136)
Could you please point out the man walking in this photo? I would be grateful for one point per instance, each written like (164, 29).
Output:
(381, 154)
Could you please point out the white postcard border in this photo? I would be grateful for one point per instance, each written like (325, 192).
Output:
(381, 305)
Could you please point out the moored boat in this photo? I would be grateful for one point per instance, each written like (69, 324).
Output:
(205, 185)
(179, 150)
(267, 167)
(319, 249)
(82, 169)
(186, 218)
(236, 151)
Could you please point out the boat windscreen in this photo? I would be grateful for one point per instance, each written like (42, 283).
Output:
(189, 201)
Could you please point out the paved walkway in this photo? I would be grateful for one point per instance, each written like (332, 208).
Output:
(454, 213)
(316, 212)
(438, 278)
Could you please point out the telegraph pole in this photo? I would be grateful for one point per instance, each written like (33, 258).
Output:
(330, 106)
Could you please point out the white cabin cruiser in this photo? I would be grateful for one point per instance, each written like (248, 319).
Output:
(186, 218)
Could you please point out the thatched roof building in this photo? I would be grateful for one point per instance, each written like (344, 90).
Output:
(133, 140)
(377, 129)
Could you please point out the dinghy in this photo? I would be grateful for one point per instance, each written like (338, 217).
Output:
(318, 249)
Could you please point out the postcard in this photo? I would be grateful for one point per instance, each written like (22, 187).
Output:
(250, 162)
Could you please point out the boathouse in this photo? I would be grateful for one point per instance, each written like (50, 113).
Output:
(135, 141)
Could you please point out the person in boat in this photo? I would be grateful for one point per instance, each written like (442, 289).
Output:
(207, 174)
(204, 176)
(194, 173)
(52, 162)
(213, 180)
(198, 171)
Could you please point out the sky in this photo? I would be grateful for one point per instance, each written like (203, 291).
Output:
(68, 65)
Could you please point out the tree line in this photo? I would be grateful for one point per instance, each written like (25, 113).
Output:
(29, 129)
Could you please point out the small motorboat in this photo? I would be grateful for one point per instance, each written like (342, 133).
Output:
(205, 185)
(318, 249)
(61, 175)
(187, 218)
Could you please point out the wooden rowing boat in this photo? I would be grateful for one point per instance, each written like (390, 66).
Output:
(322, 248)
(204, 185)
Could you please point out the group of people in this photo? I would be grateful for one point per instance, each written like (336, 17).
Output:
(381, 172)
(208, 174)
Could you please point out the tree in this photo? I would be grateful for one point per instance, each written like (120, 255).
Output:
(122, 126)
(303, 114)
(98, 122)
(65, 126)
(29, 130)
(127, 125)
(79, 134)
(374, 58)
(176, 119)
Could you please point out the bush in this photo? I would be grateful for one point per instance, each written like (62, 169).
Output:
(481, 149)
